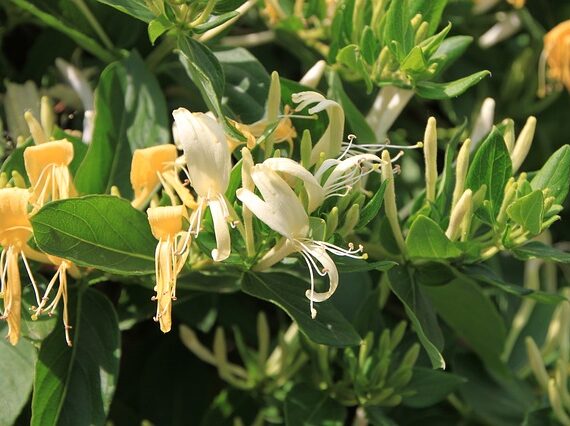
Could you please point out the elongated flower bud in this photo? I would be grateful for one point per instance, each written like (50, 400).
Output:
(461, 169)
(36, 130)
(47, 116)
(430, 156)
(509, 134)
(313, 76)
(523, 143)
(458, 214)
(390, 201)
(536, 363)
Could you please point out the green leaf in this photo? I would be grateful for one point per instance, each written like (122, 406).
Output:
(368, 45)
(247, 84)
(448, 52)
(486, 275)
(288, 292)
(215, 22)
(16, 377)
(354, 118)
(207, 74)
(307, 406)
(398, 29)
(347, 264)
(420, 312)
(431, 11)
(555, 175)
(136, 8)
(466, 309)
(528, 212)
(430, 387)
(452, 89)
(371, 209)
(491, 166)
(76, 385)
(426, 240)
(351, 57)
(99, 231)
(414, 63)
(130, 113)
(15, 161)
(157, 27)
(536, 249)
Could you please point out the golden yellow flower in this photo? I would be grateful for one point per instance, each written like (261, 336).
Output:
(166, 224)
(156, 166)
(557, 53)
(47, 168)
(15, 230)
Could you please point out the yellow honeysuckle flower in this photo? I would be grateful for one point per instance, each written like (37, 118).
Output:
(557, 54)
(209, 164)
(64, 266)
(283, 212)
(47, 168)
(166, 224)
(156, 166)
(15, 231)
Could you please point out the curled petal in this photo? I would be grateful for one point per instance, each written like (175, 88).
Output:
(329, 268)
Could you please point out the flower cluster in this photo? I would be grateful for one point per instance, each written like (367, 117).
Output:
(279, 191)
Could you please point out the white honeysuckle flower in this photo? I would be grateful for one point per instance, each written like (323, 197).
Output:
(508, 24)
(283, 212)
(209, 165)
(313, 76)
(81, 86)
(387, 107)
(483, 122)
(347, 173)
(315, 193)
(330, 142)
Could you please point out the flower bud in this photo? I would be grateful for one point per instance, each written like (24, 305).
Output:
(35, 128)
(536, 363)
(390, 206)
(523, 143)
(458, 214)
(461, 169)
(430, 156)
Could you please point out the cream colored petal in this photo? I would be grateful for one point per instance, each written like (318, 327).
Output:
(314, 190)
(221, 229)
(281, 199)
(206, 150)
(329, 267)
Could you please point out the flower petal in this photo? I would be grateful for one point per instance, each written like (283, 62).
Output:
(314, 190)
(221, 230)
(206, 150)
(329, 267)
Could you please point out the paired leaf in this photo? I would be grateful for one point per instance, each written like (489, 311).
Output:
(99, 231)
(471, 314)
(16, 377)
(528, 212)
(75, 386)
(555, 175)
(130, 113)
(452, 89)
(536, 249)
(420, 312)
(307, 406)
(491, 166)
(430, 387)
(288, 292)
(426, 240)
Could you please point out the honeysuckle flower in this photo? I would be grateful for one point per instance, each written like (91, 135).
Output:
(15, 231)
(166, 224)
(279, 127)
(483, 122)
(387, 107)
(60, 277)
(283, 212)
(47, 168)
(330, 143)
(81, 86)
(346, 173)
(155, 166)
(556, 55)
(313, 76)
(507, 25)
(208, 160)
